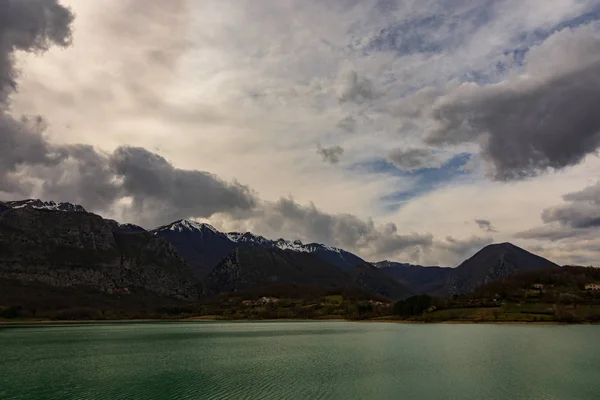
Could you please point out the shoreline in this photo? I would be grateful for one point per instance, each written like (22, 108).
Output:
(211, 318)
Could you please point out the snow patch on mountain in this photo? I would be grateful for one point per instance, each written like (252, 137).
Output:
(248, 237)
(204, 243)
(187, 225)
(45, 205)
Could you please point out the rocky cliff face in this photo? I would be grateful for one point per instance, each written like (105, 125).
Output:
(82, 249)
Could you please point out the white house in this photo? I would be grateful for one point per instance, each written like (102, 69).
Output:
(592, 286)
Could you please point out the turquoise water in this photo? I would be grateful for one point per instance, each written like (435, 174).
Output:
(299, 360)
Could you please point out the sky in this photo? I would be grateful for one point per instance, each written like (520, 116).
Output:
(409, 130)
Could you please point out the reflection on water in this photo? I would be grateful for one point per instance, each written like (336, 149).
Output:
(299, 360)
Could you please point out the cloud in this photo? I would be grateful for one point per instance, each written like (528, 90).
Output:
(161, 192)
(544, 118)
(287, 218)
(331, 154)
(348, 124)
(155, 192)
(582, 209)
(553, 233)
(414, 158)
(158, 192)
(485, 225)
(357, 89)
(454, 251)
(29, 26)
(572, 227)
(575, 251)
(83, 176)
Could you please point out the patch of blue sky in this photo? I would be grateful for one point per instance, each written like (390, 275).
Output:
(425, 179)
(532, 38)
(448, 27)
(440, 31)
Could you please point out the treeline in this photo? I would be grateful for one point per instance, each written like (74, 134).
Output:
(415, 305)
(33, 300)
(567, 276)
(564, 284)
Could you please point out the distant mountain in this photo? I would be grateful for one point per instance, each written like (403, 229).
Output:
(254, 267)
(491, 263)
(419, 278)
(203, 246)
(72, 249)
(487, 265)
(45, 205)
(372, 279)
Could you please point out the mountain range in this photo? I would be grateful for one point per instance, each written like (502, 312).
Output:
(203, 246)
(63, 245)
(487, 265)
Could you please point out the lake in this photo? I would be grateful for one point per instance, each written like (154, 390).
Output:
(299, 360)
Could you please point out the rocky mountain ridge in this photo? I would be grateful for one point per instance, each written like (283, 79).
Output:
(203, 246)
(78, 248)
(45, 205)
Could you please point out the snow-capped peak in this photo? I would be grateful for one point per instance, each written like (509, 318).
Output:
(189, 226)
(200, 241)
(45, 205)
(296, 245)
(247, 237)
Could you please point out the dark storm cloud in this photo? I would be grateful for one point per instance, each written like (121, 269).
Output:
(485, 225)
(83, 176)
(158, 191)
(527, 126)
(330, 154)
(158, 188)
